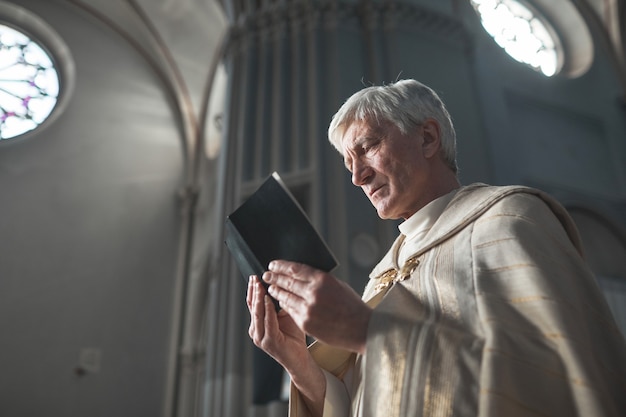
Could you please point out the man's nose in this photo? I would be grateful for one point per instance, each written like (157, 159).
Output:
(360, 173)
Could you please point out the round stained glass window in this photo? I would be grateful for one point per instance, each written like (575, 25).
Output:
(29, 83)
(521, 33)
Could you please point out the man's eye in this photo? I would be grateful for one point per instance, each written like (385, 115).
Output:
(370, 146)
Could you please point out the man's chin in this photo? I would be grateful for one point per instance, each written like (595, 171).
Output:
(384, 209)
(388, 215)
(384, 214)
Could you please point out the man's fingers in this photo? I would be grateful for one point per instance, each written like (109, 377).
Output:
(270, 321)
(285, 282)
(257, 313)
(296, 270)
(286, 298)
(250, 292)
(292, 277)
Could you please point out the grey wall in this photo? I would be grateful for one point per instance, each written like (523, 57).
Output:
(90, 231)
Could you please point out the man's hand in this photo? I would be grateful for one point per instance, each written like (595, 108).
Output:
(279, 336)
(275, 333)
(320, 304)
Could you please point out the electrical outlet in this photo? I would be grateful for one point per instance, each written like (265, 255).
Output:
(90, 359)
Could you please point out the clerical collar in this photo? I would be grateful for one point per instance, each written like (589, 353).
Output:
(423, 219)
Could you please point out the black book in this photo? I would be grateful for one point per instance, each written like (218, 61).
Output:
(271, 225)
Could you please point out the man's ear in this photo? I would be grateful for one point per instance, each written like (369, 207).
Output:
(432, 137)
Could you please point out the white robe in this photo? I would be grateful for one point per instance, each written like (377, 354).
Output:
(500, 316)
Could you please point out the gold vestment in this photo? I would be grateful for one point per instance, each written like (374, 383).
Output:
(495, 315)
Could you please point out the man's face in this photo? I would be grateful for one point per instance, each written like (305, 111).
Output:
(389, 166)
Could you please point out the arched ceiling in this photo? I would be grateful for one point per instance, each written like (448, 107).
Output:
(606, 18)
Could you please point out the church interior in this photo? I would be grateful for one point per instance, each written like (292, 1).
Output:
(130, 129)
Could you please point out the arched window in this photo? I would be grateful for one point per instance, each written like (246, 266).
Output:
(29, 83)
(522, 33)
(37, 72)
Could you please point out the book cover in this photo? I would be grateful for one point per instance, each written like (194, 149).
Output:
(271, 225)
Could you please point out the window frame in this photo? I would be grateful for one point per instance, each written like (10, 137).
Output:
(40, 32)
(565, 22)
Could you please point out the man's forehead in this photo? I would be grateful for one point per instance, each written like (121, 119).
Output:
(360, 130)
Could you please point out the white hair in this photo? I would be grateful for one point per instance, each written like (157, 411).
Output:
(406, 104)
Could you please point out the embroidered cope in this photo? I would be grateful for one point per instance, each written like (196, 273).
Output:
(487, 310)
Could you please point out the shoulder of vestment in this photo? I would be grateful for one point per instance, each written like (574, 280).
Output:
(471, 202)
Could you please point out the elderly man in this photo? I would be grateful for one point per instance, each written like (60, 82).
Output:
(483, 306)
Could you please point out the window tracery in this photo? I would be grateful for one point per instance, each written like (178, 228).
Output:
(29, 83)
(522, 33)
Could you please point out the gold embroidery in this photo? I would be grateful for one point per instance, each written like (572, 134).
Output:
(393, 275)
(386, 278)
(407, 269)
(530, 299)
